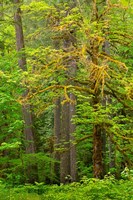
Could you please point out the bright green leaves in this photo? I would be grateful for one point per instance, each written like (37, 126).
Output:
(35, 7)
(9, 146)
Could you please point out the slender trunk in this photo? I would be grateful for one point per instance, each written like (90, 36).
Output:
(111, 151)
(26, 109)
(57, 136)
(19, 35)
(97, 146)
(97, 131)
(3, 113)
(2, 45)
(72, 126)
(104, 140)
(97, 152)
(73, 165)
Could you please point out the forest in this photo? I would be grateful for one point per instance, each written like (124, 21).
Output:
(66, 99)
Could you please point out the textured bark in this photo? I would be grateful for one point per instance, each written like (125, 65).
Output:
(2, 45)
(68, 169)
(73, 164)
(19, 35)
(68, 158)
(111, 151)
(97, 132)
(104, 139)
(105, 101)
(26, 109)
(28, 128)
(97, 152)
(57, 135)
(65, 137)
(72, 126)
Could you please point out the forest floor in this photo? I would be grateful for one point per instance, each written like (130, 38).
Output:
(89, 189)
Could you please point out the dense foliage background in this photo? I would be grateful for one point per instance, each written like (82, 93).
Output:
(66, 97)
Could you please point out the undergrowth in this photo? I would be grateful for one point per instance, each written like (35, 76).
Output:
(87, 189)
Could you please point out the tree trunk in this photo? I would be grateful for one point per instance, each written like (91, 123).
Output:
(99, 134)
(64, 127)
(57, 136)
(111, 151)
(104, 140)
(68, 110)
(65, 139)
(72, 127)
(97, 152)
(26, 109)
(2, 45)
(97, 131)
(97, 145)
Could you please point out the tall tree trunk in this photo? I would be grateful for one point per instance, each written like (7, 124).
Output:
(107, 100)
(65, 139)
(57, 136)
(99, 134)
(26, 108)
(2, 45)
(72, 127)
(68, 158)
(64, 126)
(97, 146)
(97, 130)
(111, 153)
(104, 139)
(68, 167)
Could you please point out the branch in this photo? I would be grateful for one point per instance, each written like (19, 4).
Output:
(65, 87)
(114, 93)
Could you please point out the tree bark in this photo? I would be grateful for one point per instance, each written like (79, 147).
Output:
(64, 136)
(65, 139)
(97, 130)
(26, 108)
(97, 146)
(2, 45)
(68, 110)
(72, 127)
(99, 134)
(97, 152)
(57, 135)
